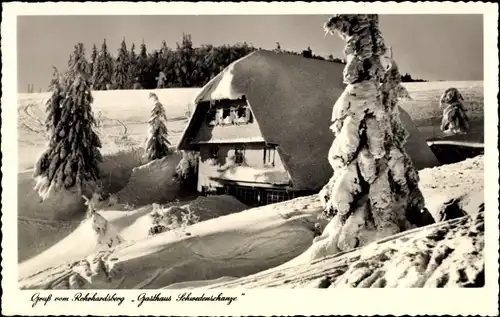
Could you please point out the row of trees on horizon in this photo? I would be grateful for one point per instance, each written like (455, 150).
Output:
(181, 67)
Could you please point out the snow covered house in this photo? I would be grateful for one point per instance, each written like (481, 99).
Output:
(262, 128)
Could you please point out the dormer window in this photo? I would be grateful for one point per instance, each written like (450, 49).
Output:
(226, 116)
(269, 155)
(243, 115)
(234, 115)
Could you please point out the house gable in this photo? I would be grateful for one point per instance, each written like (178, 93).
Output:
(292, 99)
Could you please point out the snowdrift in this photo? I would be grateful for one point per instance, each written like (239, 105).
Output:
(43, 223)
(446, 254)
(130, 226)
(453, 190)
(215, 206)
(234, 245)
(152, 182)
(116, 168)
(265, 238)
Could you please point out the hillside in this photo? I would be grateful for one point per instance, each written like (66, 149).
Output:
(124, 114)
(267, 238)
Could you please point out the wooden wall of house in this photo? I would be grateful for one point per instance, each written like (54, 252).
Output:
(253, 157)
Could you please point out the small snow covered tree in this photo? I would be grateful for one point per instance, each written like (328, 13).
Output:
(53, 106)
(186, 169)
(120, 79)
(157, 144)
(374, 191)
(71, 160)
(455, 120)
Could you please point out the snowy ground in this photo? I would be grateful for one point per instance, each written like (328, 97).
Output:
(44, 226)
(259, 239)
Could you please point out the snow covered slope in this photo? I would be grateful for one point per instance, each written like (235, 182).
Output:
(263, 238)
(123, 115)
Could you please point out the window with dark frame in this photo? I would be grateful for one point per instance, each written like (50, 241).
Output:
(214, 152)
(269, 155)
(239, 155)
(241, 111)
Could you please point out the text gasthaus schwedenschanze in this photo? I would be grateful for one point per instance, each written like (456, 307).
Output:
(186, 297)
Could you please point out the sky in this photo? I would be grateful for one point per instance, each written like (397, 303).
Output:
(433, 47)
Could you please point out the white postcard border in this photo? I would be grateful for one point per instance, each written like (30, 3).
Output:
(266, 301)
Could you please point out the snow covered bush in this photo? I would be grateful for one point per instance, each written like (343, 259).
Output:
(455, 118)
(107, 235)
(161, 80)
(157, 144)
(374, 188)
(186, 169)
(171, 218)
(72, 158)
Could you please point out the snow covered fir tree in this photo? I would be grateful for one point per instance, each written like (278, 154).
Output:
(103, 69)
(53, 105)
(73, 154)
(455, 120)
(157, 144)
(374, 191)
(121, 76)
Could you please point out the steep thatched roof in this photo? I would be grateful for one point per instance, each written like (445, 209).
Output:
(291, 98)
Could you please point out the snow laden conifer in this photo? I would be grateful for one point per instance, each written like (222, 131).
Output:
(455, 120)
(71, 160)
(157, 144)
(132, 70)
(53, 105)
(103, 69)
(374, 191)
(120, 79)
(142, 64)
(93, 62)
